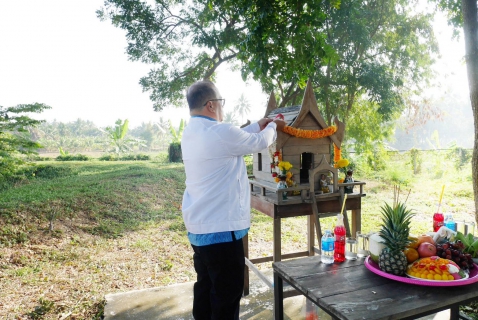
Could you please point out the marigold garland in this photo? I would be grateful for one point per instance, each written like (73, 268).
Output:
(337, 153)
(339, 162)
(310, 134)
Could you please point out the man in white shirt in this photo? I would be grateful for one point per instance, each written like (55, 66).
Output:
(216, 202)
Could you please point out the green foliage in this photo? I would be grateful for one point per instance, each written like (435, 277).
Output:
(453, 9)
(118, 140)
(274, 41)
(154, 134)
(437, 168)
(72, 157)
(177, 135)
(367, 130)
(31, 172)
(127, 157)
(249, 163)
(14, 138)
(52, 172)
(415, 161)
(460, 156)
(175, 153)
(177, 226)
(162, 158)
(358, 54)
(381, 45)
(63, 152)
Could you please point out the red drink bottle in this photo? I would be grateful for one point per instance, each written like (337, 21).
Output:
(339, 244)
(438, 221)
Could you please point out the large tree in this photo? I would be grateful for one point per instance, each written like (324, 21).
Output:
(360, 48)
(464, 14)
(276, 42)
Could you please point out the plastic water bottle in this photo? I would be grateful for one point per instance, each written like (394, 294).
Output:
(449, 222)
(327, 251)
(339, 244)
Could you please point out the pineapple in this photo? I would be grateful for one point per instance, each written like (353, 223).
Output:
(395, 232)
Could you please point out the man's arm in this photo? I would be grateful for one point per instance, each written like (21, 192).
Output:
(239, 142)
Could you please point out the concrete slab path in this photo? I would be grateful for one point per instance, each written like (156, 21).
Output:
(175, 303)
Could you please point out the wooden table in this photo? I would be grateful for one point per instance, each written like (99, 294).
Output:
(350, 291)
(267, 200)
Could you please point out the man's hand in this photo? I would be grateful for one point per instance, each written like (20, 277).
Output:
(280, 124)
(264, 122)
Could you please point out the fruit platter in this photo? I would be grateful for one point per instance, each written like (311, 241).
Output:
(436, 259)
(436, 269)
(469, 278)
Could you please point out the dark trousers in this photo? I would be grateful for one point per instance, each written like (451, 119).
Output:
(220, 280)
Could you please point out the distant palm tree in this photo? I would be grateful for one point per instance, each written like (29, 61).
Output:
(230, 117)
(243, 107)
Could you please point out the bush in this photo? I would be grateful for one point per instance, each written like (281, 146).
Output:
(162, 158)
(174, 152)
(108, 157)
(72, 157)
(31, 172)
(51, 172)
(38, 158)
(135, 157)
(128, 157)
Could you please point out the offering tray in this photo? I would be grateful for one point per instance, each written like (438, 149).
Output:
(472, 278)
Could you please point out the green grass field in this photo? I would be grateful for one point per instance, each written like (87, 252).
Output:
(80, 230)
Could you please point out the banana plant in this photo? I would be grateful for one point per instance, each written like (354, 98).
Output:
(63, 153)
(117, 137)
(174, 150)
(177, 135)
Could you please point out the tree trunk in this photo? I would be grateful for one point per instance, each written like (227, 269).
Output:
(470, 28)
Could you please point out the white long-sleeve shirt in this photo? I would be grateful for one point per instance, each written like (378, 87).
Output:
(217, 195)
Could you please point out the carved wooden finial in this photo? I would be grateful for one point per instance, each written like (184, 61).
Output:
(271, 105)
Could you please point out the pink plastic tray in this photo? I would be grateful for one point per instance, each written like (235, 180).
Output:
(473, 277)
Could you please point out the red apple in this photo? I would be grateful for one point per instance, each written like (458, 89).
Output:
(425, 238)
(426, 249)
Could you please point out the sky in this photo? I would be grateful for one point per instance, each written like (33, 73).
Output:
(59, 53)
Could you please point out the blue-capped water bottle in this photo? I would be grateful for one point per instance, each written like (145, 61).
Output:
(327, 252)
(449, 222)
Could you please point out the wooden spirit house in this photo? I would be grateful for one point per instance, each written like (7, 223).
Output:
(303, 154)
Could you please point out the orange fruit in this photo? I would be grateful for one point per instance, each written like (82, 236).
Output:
(413, 242)
(411, 254)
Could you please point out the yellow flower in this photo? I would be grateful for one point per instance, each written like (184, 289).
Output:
(341, 163)
(288, 175)
(277, 179)
(284, 165)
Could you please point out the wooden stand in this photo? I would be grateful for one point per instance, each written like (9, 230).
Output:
(267, 199)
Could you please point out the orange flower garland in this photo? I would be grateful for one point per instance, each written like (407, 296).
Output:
(310, 134)
(339, 162)
(337, 154)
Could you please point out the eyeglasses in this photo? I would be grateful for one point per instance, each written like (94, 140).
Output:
(223, 101)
